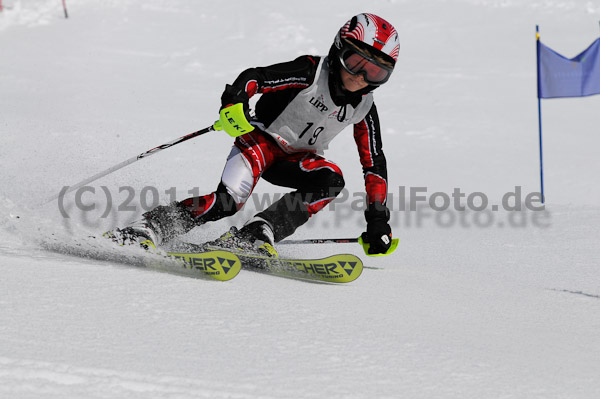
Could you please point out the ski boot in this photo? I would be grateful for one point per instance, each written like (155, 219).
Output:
(158, 226)
(255, 237)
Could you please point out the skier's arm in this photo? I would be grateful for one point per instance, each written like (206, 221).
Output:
(367, 134)
(234, 112)
(296, 74)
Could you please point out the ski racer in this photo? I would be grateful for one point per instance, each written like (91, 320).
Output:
(304, 104)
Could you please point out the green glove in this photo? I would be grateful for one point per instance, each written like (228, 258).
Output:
(233, 120)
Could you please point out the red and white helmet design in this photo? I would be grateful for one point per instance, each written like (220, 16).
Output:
(373, 31)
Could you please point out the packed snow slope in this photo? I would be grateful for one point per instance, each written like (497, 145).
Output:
(490, 303)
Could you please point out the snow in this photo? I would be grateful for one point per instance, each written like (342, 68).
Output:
(497, 304)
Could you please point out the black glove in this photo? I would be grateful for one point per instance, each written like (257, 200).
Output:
(379, 232)
(233, 95)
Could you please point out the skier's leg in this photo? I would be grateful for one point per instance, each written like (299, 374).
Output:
(251, 155)
(237, 182)
(259, 152)
(177, 218)
(317, 182)
(165, 222)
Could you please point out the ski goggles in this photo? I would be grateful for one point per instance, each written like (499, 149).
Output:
(373, 72)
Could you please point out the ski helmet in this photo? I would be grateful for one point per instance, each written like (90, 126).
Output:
(367, 45)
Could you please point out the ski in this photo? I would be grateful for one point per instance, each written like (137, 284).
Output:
(219, 265)
(213, 265)
(339, 268)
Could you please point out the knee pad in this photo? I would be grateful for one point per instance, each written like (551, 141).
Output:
(237, 178)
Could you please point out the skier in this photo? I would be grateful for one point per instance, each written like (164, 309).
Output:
(304, 104)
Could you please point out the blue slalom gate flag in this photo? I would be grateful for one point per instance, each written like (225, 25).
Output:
(559, 76)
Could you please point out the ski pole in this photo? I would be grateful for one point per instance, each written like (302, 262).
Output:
(321, 241)
(359, 240)
(65, 8)
(131, 160)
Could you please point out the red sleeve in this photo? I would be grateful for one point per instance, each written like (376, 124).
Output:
(367, 135)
